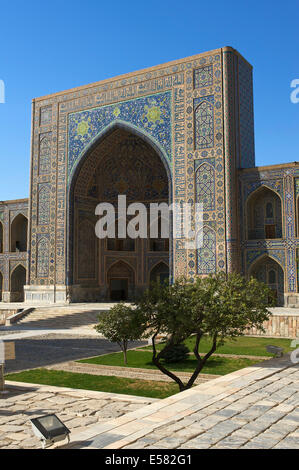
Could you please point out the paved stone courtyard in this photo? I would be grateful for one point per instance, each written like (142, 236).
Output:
(253, 408)
(52, 348)
(256, 407)
(78, 409)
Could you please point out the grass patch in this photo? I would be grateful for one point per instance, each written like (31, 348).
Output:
(143, 359)
(244, 345)
(137, 387)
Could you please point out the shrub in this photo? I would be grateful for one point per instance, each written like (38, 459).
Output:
(175, 353)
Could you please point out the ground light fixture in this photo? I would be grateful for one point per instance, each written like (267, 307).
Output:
(49, 430)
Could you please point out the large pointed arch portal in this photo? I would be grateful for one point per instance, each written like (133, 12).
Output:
(122, 160)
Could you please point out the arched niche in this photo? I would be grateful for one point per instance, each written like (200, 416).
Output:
(1, 238)
(269, 271)
(1, 285)
(264, 215)
(159, 273)
(17, 282)
(121, 281)
(18, 233)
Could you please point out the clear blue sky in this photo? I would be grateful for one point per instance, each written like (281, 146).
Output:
(49, 46)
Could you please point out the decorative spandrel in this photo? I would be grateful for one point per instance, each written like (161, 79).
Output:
(150, 114)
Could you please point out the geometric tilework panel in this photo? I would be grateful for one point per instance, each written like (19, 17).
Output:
(204, 123)
(203, 76)
(45, 153)
(43, 257)
(205, 186)
(206, 255)
(246, 116)
(45, 114)
(43, 204)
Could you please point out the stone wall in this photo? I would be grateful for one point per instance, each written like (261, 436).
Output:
(5, 314)
(284, 325)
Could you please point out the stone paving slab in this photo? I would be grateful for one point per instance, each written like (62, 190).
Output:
(250, 408)
(78, 409)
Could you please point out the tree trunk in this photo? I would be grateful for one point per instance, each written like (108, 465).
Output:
(163, 369)
(125, 352)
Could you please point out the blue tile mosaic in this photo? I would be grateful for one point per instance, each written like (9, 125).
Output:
(150, 114)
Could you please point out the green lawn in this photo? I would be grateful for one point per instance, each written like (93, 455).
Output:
(99, 383)
(243, 345)
(143, 359)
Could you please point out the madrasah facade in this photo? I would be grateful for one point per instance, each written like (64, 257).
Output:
(181, 132)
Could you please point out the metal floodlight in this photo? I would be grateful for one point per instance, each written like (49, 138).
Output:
(49, 430)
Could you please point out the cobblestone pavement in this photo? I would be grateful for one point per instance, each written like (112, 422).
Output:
(42, 351)
(131, 372)
(253, 408)
(78, 409)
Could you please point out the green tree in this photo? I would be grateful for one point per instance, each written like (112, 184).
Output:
(120, 325)
(221, 306)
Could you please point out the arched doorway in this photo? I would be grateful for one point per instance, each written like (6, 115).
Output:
(121, 281)
(18, 231)
(1, 238)
(264, 217)
(17, 282)
(160, 273)
(267, 270)
(1, 285)
(119, 163)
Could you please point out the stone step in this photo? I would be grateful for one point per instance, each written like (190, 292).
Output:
(61, 317)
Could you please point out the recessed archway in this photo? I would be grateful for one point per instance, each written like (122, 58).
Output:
(120, 162)
(18, 233)
(1, 238)
(264, 214)
(1, 286)
(121, 281)
(267, 270)
(160, 273)
(17, 282)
